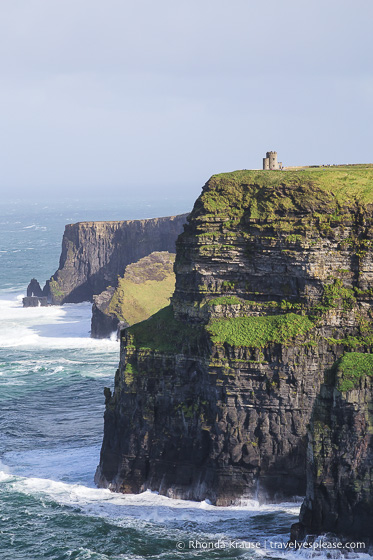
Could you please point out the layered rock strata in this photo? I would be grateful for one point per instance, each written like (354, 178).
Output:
(146, 287)
(213, 395)
(339, 495)
(94, 254)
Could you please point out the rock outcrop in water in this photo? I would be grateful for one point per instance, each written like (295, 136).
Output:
(213, 394)
(145, 288)
(34, 297)
(34, 301)
(34, 289)
(339, 495)
(94, 254)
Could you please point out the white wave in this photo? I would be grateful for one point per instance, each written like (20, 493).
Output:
(88, 554)
(32, 372)
(4, 471)
(147, 506)
(276, 547)
(35, 227)
(130, 510)
(66, 326)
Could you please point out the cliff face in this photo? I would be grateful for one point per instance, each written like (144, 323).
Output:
(340, 453)
(273, 284)
(95, 253)
(146, 287)
(103, 322)
(275, 236)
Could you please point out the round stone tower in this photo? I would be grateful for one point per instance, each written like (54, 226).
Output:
(272, 156)
(270, 161)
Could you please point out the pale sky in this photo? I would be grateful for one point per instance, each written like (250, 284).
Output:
(123, 94)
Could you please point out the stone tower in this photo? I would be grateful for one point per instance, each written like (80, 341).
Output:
(270, 161)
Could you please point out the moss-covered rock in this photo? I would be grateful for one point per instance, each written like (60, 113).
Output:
(146, 287)
(351, 368)
(258, 332)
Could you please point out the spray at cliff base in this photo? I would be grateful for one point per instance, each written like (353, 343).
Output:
(52, 377)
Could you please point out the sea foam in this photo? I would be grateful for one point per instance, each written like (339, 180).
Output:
(66, 326)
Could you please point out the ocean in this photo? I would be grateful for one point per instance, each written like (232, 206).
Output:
(52, 376)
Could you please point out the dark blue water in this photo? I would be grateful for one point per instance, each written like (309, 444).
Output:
(52, 377)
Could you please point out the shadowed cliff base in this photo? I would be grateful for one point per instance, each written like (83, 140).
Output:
(339, 498)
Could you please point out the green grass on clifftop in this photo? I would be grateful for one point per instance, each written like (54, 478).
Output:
(351, 368)
(257, 332)
(146, 287)
(267, 194)
(134, 303)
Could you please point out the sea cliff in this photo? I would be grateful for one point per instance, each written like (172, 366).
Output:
(94, 254)
(213, 394)
(339, 496)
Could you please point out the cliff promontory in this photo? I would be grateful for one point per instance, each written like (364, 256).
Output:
(213, 394)
(144, 289)
(94, 254)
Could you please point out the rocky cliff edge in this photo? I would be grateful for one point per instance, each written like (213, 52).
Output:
(274, 280)
(94, 254)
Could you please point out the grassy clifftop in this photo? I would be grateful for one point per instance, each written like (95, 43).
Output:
(284, 287)
(145, 288)
(271, 194)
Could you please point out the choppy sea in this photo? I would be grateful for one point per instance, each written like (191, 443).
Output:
(52, 376)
